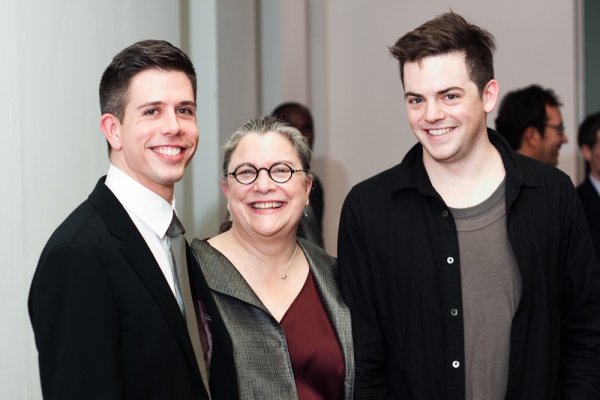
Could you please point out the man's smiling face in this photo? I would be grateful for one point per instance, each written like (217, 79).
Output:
(158, 135)
(445, 110)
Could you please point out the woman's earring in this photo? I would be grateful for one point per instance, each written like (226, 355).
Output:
(229, 217)
(306, 211)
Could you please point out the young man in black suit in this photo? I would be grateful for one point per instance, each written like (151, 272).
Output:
(114, 313)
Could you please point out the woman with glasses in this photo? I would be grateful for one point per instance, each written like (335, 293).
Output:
(276, 292)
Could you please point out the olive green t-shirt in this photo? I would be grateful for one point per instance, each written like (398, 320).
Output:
(491, 290)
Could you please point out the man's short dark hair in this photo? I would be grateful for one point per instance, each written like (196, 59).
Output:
(280, 110)
(446, 34)
(140, 56)
(524, 108)
(588, 131)
(588, 134)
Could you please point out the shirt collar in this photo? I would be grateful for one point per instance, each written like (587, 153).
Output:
(411, 172)
(152, 209)
(595, 183)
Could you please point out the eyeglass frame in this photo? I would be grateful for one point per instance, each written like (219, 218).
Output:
(293, 171)
(560, 128)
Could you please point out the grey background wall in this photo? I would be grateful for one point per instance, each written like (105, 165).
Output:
(250, 55)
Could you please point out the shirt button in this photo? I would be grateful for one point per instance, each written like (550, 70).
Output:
(445, 213)
(454, 312)
(455, 364)
(450, 260)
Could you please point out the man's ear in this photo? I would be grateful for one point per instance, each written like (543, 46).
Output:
(490, 96)
(586, 152)
(111, 127)
(532, 138)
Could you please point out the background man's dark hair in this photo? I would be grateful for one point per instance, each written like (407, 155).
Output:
(298, 116)
(280, 110)
(588, 131)
(588, 134)
(523, 108)
(446, 34)
(140, 56)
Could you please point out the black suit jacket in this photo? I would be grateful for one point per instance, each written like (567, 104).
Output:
(106, 323)
(590, 200)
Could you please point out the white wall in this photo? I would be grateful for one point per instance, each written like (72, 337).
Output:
(224, 49)
(365, 122)
(284, 53)
(53, 55)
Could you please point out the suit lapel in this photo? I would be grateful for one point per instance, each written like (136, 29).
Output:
(135, 249)
(223, 376)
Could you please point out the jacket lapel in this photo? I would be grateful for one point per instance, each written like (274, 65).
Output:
(140, 258)
(223, 277)
(223, 376)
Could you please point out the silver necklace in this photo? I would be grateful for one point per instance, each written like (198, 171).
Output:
(283, 274)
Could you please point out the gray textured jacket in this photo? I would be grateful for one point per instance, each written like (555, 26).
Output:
(262, 360)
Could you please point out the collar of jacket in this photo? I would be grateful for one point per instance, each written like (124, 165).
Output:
(411, 172)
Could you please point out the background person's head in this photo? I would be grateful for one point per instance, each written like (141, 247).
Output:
(531, 122)
(588, 140)
(262, 143)
(299, 117)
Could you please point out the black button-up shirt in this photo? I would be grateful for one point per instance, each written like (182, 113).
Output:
(399, 271)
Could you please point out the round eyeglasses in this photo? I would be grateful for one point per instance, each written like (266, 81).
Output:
(279, 173)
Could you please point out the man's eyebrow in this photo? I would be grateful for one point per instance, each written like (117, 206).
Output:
(188, 103)
(407, 94)
(158, 103)
(150, 103)
(439, 92)
(444, 91)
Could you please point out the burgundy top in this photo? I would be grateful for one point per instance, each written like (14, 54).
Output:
(314, 349)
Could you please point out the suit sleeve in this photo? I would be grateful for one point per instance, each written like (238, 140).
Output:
(356, 283)
(76, 329)
(580, 308)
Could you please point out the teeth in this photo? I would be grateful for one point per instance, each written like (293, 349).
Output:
(168, 151)
(264, 206)
(438, 132)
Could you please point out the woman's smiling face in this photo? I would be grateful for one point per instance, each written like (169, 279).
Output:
(264, 207)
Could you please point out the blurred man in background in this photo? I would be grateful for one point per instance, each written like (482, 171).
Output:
(300, 118)
(531, 121)
(588, 140)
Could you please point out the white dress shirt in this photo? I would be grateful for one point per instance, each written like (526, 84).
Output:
(595, 183)
(152, 216)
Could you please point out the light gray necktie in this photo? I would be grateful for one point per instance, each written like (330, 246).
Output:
(182, 281)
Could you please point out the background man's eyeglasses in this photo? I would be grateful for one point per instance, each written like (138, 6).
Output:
(560, 127)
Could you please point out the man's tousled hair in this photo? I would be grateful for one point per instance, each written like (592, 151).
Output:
(446, 34)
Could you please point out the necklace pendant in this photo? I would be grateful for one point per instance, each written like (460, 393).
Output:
(283, 277)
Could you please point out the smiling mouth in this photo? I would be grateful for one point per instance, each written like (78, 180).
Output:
(266, 206)
(438, 132)
(168, 151)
